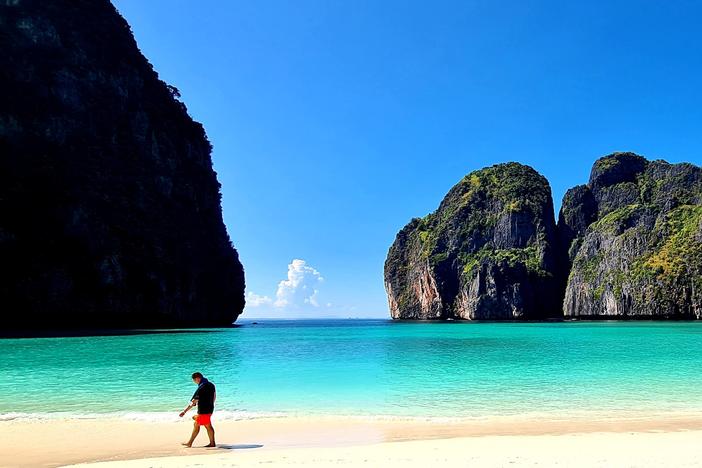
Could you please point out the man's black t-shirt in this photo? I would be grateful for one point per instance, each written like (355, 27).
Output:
(205, 395)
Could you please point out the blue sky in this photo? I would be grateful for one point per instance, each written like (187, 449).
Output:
(334, 123)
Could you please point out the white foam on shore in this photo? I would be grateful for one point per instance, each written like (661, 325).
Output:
(239, 415)
(156, 416)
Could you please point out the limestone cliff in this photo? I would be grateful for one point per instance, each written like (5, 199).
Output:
(628, 245)
(486, 253)
(109, 207)
(634, 237)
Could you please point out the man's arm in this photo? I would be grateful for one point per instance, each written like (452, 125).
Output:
(193, 402)
(187, 408)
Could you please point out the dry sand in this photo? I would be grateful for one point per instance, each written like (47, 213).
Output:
(336, 441)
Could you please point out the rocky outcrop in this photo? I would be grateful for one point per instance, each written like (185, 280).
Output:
(486, 253)
(634, 237)
(109, 207)
(628, 245)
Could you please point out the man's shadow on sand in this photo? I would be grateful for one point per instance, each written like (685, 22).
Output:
(238, 446)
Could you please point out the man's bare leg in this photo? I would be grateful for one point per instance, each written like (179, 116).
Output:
(211, 435)
(196, 431)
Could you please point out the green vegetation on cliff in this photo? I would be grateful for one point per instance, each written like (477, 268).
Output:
(678, 251)
(641, 256)
(488, 194)
(529, 256)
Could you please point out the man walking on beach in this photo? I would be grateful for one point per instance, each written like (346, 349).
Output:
(204, 398)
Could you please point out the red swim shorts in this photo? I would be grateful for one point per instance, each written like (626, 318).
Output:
(203, 419)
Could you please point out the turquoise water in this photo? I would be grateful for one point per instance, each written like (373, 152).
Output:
(364, 367)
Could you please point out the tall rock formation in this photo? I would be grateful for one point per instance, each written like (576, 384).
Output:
(487, 252)
(633, 235)
(109, 207)
(628, 245)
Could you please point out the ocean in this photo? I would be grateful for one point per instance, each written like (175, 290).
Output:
(375, 368)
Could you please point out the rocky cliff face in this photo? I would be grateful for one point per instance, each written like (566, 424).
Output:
(634, 237)
(109, 208)
(486, 253)
(627, 245)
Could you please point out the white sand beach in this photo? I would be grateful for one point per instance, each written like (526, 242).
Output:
(337, 441)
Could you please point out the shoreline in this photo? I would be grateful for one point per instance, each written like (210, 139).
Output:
(26, 333)
(67, 441)
(604, 416)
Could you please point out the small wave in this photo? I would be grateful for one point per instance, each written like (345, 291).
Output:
(154, 416)
(239, 415)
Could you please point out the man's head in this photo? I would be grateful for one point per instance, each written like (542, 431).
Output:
(197, 377)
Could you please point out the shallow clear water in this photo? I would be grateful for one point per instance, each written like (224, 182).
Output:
(366, 367)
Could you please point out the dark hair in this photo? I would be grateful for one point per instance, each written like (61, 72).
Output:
(197, 375)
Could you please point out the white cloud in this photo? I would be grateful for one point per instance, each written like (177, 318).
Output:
(254, 300)
(297, 294)
(301, 286)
